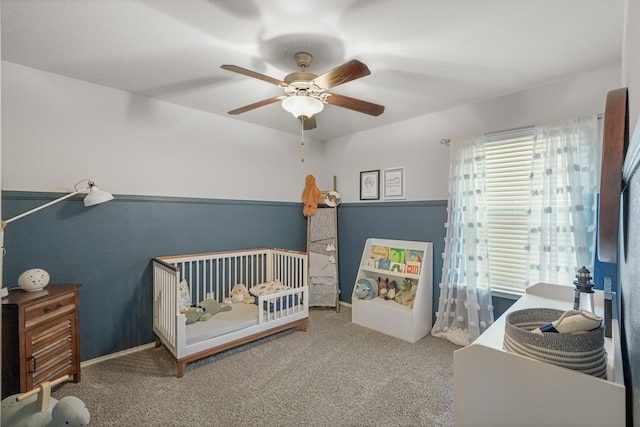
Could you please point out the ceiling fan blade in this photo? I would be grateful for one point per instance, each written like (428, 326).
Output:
(310, 123)
(344, 73)
(255, 105)
(355, 104)
(254, 74)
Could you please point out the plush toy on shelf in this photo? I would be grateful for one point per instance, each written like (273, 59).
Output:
(410, 298)
(36, 408)
(383, 287)
(403, 290)
(392, 289)
(366, 288)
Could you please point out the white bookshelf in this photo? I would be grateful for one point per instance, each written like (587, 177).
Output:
(494, 387)
(390, 317)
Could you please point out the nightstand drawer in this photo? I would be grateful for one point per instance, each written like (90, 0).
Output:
(43, 311)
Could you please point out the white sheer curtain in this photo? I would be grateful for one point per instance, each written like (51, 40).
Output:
(464, 308)
(555, 236)
(564, 185)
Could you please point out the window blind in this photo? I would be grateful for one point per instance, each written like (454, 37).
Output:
(508, 157)
(509, 166)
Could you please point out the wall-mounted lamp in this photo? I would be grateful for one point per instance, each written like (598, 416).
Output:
(95, 197)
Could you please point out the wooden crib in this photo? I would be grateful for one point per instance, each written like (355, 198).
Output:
(212, 276)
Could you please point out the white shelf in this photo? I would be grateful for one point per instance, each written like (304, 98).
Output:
(525, 392)
(390, 317)
(388, 273)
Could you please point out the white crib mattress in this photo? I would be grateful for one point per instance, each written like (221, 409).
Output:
(240, 316)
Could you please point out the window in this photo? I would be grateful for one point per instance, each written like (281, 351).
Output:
(540, 185)
(522, 210)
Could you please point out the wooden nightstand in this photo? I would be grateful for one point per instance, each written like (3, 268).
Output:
(40, 337)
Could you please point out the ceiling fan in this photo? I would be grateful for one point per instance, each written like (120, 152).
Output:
(306, 93)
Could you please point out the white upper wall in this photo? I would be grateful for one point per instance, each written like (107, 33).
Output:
(57, 131)
(415, 144)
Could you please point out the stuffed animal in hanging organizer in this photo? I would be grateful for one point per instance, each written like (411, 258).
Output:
(311, 196)
(239, 293)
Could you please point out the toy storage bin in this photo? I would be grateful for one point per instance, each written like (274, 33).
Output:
(583, 352)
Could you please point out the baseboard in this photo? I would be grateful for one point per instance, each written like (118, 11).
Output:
(114, 355)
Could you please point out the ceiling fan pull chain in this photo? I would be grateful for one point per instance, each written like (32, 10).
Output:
(302, 137)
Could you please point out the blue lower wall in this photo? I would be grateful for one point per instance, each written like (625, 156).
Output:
(421, 221)
(108, 248)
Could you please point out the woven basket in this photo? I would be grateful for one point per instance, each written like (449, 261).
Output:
(582, 352)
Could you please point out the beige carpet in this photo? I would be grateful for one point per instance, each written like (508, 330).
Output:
(335, 374)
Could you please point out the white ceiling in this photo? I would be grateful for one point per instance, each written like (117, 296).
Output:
(424, 55)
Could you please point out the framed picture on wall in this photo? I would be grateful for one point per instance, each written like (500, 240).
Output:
(370, 185)
(393, 183)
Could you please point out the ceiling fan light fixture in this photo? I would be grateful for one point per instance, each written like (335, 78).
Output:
(302, 105)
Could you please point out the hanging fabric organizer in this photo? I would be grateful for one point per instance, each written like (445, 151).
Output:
(322, 248)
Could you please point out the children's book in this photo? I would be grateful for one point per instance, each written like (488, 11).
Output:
(396, 255)
(384, 263)
(371, 263)
(397, 267)
(412, 255)
(378, 251)
(412, 267)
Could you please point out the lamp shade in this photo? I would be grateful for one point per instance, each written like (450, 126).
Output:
(302, 105)
(96, 196)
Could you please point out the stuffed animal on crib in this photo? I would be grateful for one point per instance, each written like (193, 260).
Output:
(204, 311)
(383, 287)
(311, 196)
(239, 293)
(37, 408)
(392, 289)
(193, 314)
(211, 307)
